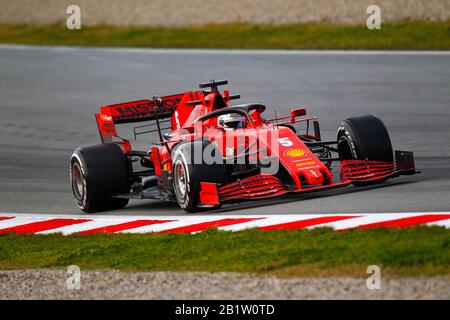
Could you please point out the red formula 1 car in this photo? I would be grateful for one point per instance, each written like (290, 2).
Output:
(210, 153)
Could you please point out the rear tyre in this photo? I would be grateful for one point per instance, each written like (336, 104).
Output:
(187, 174)
(364, 138)
(96, 173)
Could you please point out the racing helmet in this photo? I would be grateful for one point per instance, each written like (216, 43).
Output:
(231, 121)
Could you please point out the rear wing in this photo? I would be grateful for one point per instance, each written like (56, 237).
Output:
(142, 110)
(178, 107)
(134, 111)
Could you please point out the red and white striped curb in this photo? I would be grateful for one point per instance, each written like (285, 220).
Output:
(88, 224)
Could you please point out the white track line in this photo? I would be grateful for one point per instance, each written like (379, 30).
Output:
(181, 222)
(366, 219)
(19, 220)
(82, 226)
(271, 220)
(442, 223)
(229, 51)
(168, 225)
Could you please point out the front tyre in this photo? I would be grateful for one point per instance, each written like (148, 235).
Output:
(187, 173)
(364, 138)
(96, 173)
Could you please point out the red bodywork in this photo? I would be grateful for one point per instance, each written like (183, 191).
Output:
(306, 171)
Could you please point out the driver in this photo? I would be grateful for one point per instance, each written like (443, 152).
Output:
(231, 121)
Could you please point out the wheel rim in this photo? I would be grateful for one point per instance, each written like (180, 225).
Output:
(344, 149)
(77, 181)
(180, 180)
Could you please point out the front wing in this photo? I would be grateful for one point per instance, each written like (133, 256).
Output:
(262, 186)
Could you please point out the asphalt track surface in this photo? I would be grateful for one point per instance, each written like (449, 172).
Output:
(48, 97)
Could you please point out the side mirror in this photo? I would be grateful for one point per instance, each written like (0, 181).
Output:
(298, 112)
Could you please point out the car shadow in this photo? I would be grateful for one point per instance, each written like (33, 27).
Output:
(250, 204)
(289, 198)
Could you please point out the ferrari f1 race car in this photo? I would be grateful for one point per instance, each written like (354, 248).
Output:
(210, 152)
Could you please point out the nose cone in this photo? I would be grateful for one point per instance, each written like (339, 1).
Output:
(311, 177)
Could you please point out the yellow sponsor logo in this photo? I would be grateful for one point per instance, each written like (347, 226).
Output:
(305, 163)
(295, 153)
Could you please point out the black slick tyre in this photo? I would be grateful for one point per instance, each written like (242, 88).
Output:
(189, 171)
(96, 173)
(364, 138)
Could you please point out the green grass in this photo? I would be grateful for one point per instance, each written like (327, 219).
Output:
(405, 35)
(399, 252)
